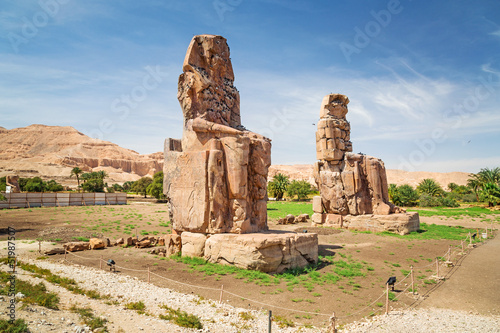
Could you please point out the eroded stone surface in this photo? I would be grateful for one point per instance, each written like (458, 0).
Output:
(193, 244)
(96, 243)
(349, 184)
(402, 223)
(216, 175)
(270, 253)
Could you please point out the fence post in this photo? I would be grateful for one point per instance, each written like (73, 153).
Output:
(221, 292)
(39, 246)
(412, 281)
(65, 251)
(269, 326)
(149, 275)
(437, 267)
(386, 298)
(332, 328)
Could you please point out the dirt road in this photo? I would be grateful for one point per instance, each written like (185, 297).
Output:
(474, 286)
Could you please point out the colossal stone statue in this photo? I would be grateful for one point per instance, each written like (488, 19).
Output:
(215, 176)
(350, 184)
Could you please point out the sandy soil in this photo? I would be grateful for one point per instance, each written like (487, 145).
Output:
(386, 255)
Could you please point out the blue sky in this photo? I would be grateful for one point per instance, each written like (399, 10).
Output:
(422, 77)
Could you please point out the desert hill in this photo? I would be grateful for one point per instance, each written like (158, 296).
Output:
(51, 152)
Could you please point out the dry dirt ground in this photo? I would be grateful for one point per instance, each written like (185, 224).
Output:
(351, 298)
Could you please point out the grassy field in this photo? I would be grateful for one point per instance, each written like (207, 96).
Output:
(278, 209)
(433, 231)
(476, 212)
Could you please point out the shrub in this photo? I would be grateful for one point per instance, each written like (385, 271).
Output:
(155, 189)
(403, 195)
(430, 201)
(299, 188)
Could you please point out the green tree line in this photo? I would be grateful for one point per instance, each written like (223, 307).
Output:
(481, 187)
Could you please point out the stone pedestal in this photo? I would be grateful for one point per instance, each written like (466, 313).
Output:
(265, 252)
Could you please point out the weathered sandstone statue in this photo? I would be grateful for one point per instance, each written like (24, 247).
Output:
(350, 184)
(13, 182)
(216, 176)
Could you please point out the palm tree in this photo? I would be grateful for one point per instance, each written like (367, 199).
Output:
(491, 194)
(486, 184)
(278, 186)
(392, 191)
(76, 171)
(102, 174)
(487, 175)
(475, 185)
(430, 187)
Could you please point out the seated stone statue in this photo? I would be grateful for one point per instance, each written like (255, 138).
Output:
(216, 175)
(349, 184)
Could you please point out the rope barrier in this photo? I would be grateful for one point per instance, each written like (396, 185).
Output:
(397, 284)
(278, 307)
(366, 307)
(448, 252)
(187, 284)
(79, 256)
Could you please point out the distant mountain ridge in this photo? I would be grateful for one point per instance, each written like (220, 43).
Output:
(52, 151)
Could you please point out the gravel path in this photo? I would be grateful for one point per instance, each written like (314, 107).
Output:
(427, 320)
(215, 317)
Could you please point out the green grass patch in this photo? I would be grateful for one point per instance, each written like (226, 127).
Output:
(454, 212)
(64, 282)
(89, 318)
(34, 293)
(306, 277)
(283, 322)
(137, 306)
(434, 231)
(278, 209)
(81, 239)
(181, 318)
(18, 326)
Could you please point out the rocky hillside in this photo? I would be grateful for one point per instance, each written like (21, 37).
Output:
(52, 151)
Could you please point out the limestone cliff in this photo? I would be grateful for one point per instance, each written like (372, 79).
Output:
(52, 151)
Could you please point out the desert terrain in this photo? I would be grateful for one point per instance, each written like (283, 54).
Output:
(303, 301)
